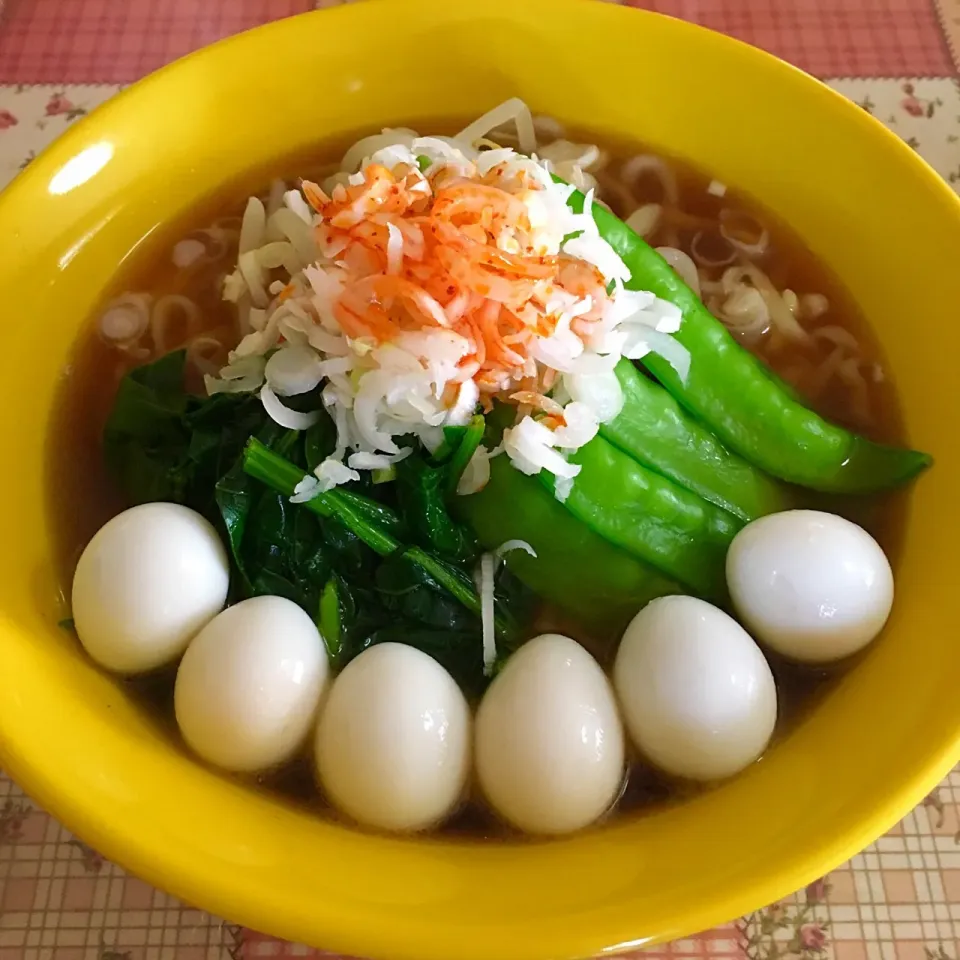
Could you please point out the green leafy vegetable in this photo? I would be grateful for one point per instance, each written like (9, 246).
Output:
(421, 491)
(283, 476)
(330, 620)
(467, 447)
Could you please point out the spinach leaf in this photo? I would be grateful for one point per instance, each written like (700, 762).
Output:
(161, 443)
(145, 440)
(422, 494)
(234, 494)
(408, 590)
(369, 563)
(319, 441)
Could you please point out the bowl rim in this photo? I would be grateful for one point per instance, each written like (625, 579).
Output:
(148, 856)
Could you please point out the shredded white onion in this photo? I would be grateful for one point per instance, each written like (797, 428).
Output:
(487, 613)
(666, 346)
(253, 227)
(293, 370)
(368, 146)
(476, 474)
(252, 274)
(290, 419)
(562, 488)
(601, 392)
(394, 248)
(508, 545)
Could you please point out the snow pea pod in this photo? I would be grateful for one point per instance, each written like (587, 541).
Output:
(575, 568)
(651, 517)
(747, 408)
(658, 433)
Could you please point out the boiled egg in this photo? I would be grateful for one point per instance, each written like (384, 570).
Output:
(549, 742)
(146, 583)
(248, 687)
(393, 740)
(697, 695)
(810, 585)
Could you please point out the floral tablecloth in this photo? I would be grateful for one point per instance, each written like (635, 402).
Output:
(898, 900)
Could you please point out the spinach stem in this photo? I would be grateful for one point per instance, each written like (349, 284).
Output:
(261, 463)
(364, 518)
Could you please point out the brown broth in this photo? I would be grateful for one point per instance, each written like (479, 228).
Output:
(75, 462)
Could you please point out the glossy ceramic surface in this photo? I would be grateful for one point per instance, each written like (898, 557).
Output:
(862, 200)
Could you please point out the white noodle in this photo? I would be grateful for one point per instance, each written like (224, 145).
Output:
(824, 373)
(727, 230)
(513, 110)
(780, 316)
(707, 261)
(813, 305)
(683, 266)
(547, 128)
(126, 319)
(368, 146)
(645, 220)
(275, 197)
(637, 166)
(188, 252)
(839, 337)
(166, 311)
(206, 354)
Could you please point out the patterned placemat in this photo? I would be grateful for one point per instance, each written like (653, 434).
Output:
(898, 900)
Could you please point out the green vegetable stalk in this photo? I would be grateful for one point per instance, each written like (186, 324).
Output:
(741, 402)
(658, 433)
(598, 583)
(360, 516)
(651, 517)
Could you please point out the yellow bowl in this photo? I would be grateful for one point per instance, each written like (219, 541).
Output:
(862, 200)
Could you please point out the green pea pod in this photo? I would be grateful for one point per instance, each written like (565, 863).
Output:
(747, 408)
(651, 517)
(596, 582)
(658, 433)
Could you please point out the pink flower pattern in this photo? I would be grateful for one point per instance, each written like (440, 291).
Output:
(812, 937)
